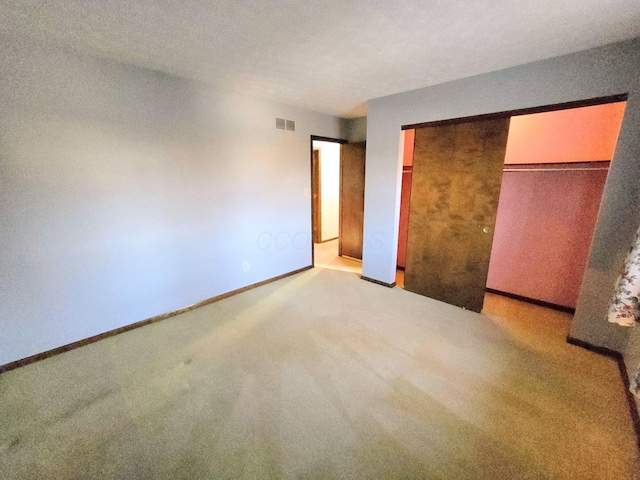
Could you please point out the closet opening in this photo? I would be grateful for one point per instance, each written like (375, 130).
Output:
(552, 180)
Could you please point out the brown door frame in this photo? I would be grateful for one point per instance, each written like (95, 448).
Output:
(522, 111)
(317, 138)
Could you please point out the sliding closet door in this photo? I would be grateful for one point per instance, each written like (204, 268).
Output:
(457, 170)
(352, 199)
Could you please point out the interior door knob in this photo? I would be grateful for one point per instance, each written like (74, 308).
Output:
(486, 229)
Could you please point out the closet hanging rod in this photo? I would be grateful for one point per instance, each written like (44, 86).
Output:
(555, 169)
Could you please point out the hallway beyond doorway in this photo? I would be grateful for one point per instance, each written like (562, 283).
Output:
(326, 256)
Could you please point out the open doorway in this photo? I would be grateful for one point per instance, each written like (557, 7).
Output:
(555, 166)
(337, 210)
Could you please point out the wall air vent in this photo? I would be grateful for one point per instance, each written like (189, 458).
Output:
(282, 124)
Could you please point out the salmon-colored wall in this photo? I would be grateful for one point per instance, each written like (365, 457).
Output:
(409, 140)
(576, 135)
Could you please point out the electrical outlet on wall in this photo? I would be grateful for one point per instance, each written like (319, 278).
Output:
(245, 266)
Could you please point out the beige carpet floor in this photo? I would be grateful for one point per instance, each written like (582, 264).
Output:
(323, 375)
(326, 256)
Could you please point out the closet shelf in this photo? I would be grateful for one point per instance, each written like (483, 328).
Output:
(558, 167)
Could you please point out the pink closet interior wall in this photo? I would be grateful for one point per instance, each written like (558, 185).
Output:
(543, 233)
(546, 219)
(404, 218)
(405, 196)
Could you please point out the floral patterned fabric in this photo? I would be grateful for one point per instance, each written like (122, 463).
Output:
(624, 309)
(624, 305)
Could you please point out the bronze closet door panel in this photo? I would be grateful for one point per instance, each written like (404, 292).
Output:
(455, 188)
(352, 161)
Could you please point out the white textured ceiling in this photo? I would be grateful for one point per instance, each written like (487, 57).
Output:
(328, 55)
